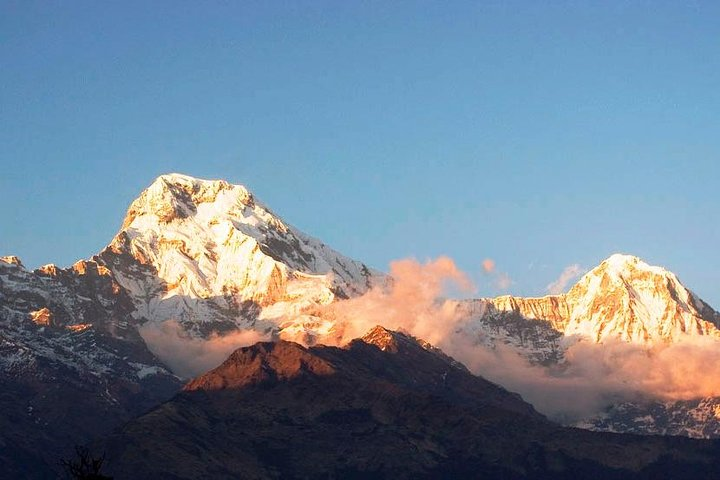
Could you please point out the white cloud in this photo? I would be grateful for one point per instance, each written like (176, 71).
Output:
(571, 272)
(189, 356)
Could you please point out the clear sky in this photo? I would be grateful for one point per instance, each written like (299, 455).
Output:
(538, 134)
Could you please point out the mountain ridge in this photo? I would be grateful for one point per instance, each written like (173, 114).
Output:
(370, 410)
(220, 250)
(623, 297)
(211, 256)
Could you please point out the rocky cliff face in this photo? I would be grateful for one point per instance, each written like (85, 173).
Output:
(72, 364)
(698, 418)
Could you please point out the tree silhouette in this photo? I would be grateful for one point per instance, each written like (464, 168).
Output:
(84, 466)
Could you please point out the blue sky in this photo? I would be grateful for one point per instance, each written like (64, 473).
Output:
(537, 135)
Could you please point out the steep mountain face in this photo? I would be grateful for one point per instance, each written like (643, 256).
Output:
(210, 255)
(385, 406)
(523, 324)
(627, 298)
(623, 298)
(72, 365)
(699, 418)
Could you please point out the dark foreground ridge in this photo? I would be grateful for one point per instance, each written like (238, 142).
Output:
(385, 406)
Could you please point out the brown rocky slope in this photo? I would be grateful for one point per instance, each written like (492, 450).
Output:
(385, 406)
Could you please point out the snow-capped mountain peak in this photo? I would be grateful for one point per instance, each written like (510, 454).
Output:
(622, 298)
(627, 298)
(12, 260)
(619, 264)
(208, 254)
(175, 196)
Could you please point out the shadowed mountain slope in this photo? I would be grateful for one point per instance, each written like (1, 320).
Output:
(385, 406)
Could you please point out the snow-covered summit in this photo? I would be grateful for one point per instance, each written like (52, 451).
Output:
(176, 196)
(621, 264)
(12, 260)
(627, 298)
(622, 298)
(209, 254)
